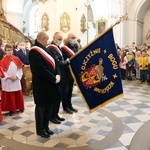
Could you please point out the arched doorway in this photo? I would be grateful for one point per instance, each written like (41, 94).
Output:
(137, 13)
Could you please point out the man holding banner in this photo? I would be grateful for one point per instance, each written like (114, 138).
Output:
(67, 87)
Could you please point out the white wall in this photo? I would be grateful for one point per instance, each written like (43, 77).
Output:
(132, 30)
(137, 10)
(146, 28)
(14, 12)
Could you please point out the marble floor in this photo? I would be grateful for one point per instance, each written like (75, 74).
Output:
(121, 125)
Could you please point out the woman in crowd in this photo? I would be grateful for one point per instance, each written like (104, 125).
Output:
(122, 63)
(130, 65)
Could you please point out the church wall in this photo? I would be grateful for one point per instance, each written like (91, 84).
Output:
(15, 19)
(134, 29)
(137, 10)
(54, 9)
(146, 28)
(13, 12)
(139, 32)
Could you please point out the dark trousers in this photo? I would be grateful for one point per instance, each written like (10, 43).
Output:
(123, 73)
(56, 106)
(148, 76)
(143, 75)
(67, 89)
(42, 117)
(55, 110)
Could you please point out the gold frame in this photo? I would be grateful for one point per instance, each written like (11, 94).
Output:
(64, 22)
(101, 26)
(1, 29)
(83, 26)
(45, 22)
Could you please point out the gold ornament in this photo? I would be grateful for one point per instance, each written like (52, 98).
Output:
(65, 22)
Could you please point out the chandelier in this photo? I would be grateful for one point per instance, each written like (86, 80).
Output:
(39, 0)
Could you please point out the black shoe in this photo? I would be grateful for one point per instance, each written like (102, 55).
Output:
(56, 121)
(43, 134)
(60, 119)
(67, 110)
(73, 109)
(11, 113)
(21, 111)
(49, 132)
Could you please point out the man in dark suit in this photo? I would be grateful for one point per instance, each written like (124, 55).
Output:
(44, 80)
(23, 54)
(67, 86)
(55, 51)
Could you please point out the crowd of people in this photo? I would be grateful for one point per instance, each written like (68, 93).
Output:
(52, 82)
(134, 62)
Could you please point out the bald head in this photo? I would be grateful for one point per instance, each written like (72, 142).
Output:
(42, 38)
(71, 38)
(71, 35)
(57, 38)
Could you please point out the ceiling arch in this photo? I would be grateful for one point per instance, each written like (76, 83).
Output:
(143, 9)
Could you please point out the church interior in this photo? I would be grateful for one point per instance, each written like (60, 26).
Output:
(120, 125)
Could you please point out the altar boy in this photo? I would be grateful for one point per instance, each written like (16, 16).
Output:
(12, 97)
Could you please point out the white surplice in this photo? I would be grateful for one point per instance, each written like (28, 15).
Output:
(9, 85)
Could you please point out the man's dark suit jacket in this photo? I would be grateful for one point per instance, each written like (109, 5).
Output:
(45, 90)
(23, 57)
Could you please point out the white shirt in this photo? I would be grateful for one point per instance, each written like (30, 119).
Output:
(9, 85)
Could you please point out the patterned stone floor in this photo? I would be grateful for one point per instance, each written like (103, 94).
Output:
(113, 127)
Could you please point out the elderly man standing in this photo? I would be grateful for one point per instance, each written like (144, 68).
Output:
(67, 86)
(44, 80)
(55, 51)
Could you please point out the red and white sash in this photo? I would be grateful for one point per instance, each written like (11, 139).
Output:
(55, 47)
(44, 54)
(68, 50)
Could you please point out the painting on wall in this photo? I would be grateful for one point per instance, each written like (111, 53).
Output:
(101, 26)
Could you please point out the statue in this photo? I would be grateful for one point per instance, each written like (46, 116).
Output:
(83, 24)
(45, 22)
(65, 22)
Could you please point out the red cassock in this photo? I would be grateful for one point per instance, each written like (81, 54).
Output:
(1, 117)
(13, 99)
